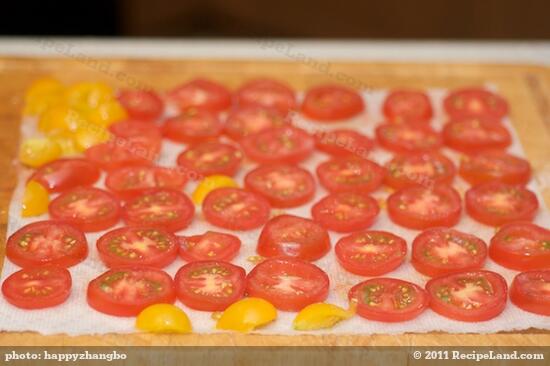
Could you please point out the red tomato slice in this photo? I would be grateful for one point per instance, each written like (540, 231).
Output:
(86, 208)
(289, 284)
(38, 287)
(332, 103)
(201, 94)
(137, 246)
(281, 184)
(128, 183)
(267, 93)
(211, 245)
(163, 208)
(278, 145)
(126, 291)
(142, 105)
(211, 158)
(109, 156)
(210, 285)
(496, 204)
(486, 166)
(474, 134)
(407, 106)
(371, 253)
(293, 236)
(345, 211)
(474, 102)
(408, 138)
(143, 139)
(235, 209)
(192, 127)
(468, 296)
(388, 299)
(245, 121)
(420, 207)
(63, 174)
(350, 174)
(425, 169)
(343, 143)
(521, 246)
(440, 251)
(47, 242)
(530, 291)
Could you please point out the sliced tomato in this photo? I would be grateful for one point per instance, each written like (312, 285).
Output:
(245, 121)
(142, 105)
(407, 106)
(475, 134)
(109, 156)
(282, 185)
(345, 211)
(419, 207)
(266, 93)
(235, 209)
(278, 145)
(388, 299)
(47, 242)
(289, 284)
(530, 291)
(350, 174)
(474, 102)
(210, 285)
(200, 94)
(371, 253)
(126, 291)
(164, 208)
(139, 138)
(86, 208)
(192, 127)
(521, 246)
(440, 251)
(137, 246)
(343, 142)
(496, 203)
(38, 287)
(211, 158)
(63, 174)
(468, 296)
(329, 103)
(408, 138)
(211, 245)
(427, 168)
(293, 236)
(496, 165)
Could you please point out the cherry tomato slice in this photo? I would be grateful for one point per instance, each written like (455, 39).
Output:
(278, 145)
(47, 242)
(192, 127)
(420, 207)
(63, 174)
(388, 299)
(342, 142)
(282, 185)
(407, 106)
(245, 121)
(427, 168)
(345, 211)
(86, 208)
(289, 284)
(332, 103)
(211, 158)
(109, 156)
(408, 138)
(499, 166)
(350, 174)
(126, 291)
(201, 94)
(293, 236)
(468, 296)
(474, 102)
(266, 93)
(37, 287)
(530, 291)
(210, 285)
(140, 138)
(496, 204)
(371, 253)
(475, 134)
(211, 245)
(142, 105)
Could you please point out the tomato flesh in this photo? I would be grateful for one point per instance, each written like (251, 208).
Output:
(332, 103)
(64, 174)
(211, 245)
(278, 145)
(472, 102)
(200, 94)
(143, 139)
(350, 174)
(407, 106)
(192, 127)
(245, 121)
(211, 158)
(343, 142)
(530, 291)
(109, 156)
(142, 105)
(497, 165)
(475, 134)
(408, 138)
(266, 93)
(426, 168)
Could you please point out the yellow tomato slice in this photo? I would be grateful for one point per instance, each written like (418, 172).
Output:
(35, 200)
(35, 152)
(321, 315)
(107, 113)
(59, 119)
(209, 184)
(88, 95)
(163, 318)
(247, 314)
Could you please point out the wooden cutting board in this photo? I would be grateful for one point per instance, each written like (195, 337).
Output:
(526, 87)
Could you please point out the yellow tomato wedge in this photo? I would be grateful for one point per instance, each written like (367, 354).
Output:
(67, 144)
(35, 152)
(35, 200)
(59, 119)
(42, 94)
(43, 86)
(321, 315)
(163, 318)
(107, 113)
(88, 95)
(90, 135)
(209, 184)
(247, 314)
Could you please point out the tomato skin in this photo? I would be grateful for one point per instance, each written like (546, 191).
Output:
(110, 156)
(426, 168)
(235, 277)
(58, 280)
(188, 247)
(505, 252)
(474, 102)
(350, 174)
(495, 305)
(425, 261)
(478, 201)
(263, 279)
(332, 103)
(199, 160)
(408, 138)
(407, 105)
(201, 94)
(396, 287)
(143, 139)
(293, 236)
(475, 134)
(266, 93)
(343, 142)
(63, 174)
(142, 105)
(192, 127)
(387, 262)
(495, 166)
(525, 293)
(244, 121)
(278, 145)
